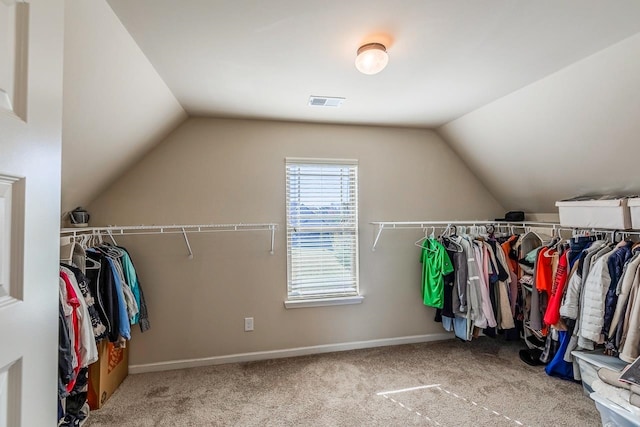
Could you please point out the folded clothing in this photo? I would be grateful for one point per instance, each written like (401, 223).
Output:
(610, 376)
(634, 399)
(616, 395)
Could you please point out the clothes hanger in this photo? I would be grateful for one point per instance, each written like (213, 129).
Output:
(67, 245)
(422, 239)
(530, 231)
(419, 242)
(92, 264)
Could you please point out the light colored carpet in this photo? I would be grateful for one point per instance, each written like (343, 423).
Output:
(480, 383)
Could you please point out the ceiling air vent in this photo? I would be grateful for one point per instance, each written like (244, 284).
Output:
(325, 101)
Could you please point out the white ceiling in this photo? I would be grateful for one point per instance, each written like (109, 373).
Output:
(263, 59)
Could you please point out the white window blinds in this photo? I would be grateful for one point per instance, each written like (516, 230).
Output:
(322, 228)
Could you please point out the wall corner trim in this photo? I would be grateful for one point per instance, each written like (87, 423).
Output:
(290, 352)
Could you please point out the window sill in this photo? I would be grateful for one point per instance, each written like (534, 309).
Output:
(322, 302)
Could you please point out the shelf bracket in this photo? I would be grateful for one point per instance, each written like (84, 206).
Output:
(186, 240)
(273, 238)
(375, 242)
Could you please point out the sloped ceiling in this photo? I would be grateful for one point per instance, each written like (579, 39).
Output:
(540, 99)
(115, 105)
(263, 59)
(573, 133)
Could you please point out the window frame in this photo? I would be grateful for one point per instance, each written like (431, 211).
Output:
(297, 301)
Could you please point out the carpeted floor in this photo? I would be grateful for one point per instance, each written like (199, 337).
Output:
(450, 383)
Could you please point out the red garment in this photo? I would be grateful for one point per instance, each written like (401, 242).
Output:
(544, 278)
(506, 247)
(72, 300)
(552, 314)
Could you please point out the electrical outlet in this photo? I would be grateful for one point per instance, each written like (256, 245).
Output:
(248, 324)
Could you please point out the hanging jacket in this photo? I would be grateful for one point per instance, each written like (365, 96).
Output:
(571, 299)
(630, 345)
(506, 314)
(595, 290)
(624, 287)
(143, 314)
(616, 263)
(102, 286)
(483, 258)
(552, 313)
(99, 329)
(474, 299)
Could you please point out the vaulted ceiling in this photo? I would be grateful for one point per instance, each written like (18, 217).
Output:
(507, 83)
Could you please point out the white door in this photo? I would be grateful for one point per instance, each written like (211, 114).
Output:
(31, 53)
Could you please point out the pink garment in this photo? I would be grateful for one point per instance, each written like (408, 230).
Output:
(552, 315)
(72, 300)
(482, 256)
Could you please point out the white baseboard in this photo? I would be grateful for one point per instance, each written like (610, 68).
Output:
(289, 352)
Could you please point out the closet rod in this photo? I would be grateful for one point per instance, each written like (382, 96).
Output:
(172, 229)
(611, 231)
(381, 225)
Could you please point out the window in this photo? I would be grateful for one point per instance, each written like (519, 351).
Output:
(322, 229)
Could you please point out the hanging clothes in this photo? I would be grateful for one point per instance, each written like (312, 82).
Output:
(101, 304)
(435, 265)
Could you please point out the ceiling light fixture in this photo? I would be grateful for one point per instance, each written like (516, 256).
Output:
(372, 58)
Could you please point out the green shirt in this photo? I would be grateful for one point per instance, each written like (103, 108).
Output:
(435, 265)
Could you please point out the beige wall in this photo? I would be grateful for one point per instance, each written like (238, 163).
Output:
(231, 171)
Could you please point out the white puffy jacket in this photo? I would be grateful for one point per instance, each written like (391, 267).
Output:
(593, 303)
(570, 307)
(571, 299)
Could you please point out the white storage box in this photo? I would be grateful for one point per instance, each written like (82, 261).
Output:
(634, 210)
(589, 363)
(595, 213)
(613, 415)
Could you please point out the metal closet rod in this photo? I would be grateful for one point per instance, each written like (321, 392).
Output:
(126, 230)
(381, 225)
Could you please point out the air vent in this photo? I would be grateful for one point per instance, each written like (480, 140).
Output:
(325, 101)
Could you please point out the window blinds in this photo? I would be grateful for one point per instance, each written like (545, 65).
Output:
(322, 228)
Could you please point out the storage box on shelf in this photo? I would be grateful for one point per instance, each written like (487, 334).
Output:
(634, 210)
(614, 415)
(589, 363)
(595, 213)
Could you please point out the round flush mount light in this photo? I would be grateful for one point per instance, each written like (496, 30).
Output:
(372, 58)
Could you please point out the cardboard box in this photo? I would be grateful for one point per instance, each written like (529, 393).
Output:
(595, 213)
(107, 373)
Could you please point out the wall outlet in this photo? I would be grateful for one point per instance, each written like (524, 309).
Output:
(248, 324)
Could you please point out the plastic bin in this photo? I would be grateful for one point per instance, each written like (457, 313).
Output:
(589, 363)
(595, 213)
(634, 211)
(613, 415)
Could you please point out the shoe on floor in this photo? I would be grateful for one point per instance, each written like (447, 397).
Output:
(531, 356)
(69, 421)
